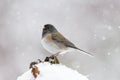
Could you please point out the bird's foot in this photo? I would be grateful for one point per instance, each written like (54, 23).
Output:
(56, 54)
(52, 59)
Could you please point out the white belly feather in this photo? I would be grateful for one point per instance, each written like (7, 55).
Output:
(53, 48)
(50, 46)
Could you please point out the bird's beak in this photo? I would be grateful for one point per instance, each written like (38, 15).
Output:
(43, 27)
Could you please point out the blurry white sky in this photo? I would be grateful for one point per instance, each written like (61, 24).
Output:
(93, 25)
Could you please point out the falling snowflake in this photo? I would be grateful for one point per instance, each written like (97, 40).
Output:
(111, 6)
(108, 53)
(77, 66)
(95, 36)
(103, 38)
(109, 28)
(119, 27)
(16, 47)
(23, 54)
(18, 13)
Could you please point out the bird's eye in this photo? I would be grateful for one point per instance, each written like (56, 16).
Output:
(46, 28)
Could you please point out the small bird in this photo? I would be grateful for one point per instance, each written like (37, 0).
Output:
(55, 43)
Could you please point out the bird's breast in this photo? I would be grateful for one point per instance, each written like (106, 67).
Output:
(50, 45)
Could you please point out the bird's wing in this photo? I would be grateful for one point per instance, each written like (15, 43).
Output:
(61, 39)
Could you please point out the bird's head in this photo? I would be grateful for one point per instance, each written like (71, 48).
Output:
(48, 28)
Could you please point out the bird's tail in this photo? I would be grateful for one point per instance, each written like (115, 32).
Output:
(89, 54)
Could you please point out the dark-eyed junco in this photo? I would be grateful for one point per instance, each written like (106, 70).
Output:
(54, 42)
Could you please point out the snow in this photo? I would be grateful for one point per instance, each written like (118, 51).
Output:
(83, 22)
(109, 28)
(108, 53)
(118, 27)
(53, 72)
(103, 38)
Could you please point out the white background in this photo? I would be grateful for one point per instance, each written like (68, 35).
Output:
(93, 25)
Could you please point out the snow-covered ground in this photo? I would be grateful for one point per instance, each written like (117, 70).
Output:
(93, 25)
(53, 72)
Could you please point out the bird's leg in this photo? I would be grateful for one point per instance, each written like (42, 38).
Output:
(56, 54)
(53, 59)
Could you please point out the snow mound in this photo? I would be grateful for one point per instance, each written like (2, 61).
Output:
(53, 72)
